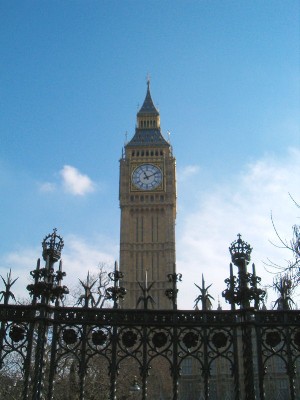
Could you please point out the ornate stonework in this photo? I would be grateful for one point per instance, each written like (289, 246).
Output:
(148, 209)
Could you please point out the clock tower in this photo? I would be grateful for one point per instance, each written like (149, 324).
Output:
(148, 209)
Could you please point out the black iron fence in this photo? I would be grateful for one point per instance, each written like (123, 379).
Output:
(49, 351)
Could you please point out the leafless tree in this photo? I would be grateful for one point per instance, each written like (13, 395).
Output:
(285, 287)
(292, 267)
(93, 289)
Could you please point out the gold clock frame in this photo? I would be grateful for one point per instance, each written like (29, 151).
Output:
(159, 188)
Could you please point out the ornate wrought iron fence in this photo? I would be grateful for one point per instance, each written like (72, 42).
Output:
(48, 351)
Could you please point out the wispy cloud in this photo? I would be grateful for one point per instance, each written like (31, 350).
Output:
(75, 182)
(78, 256)
(240, 205)
(187, 172)
(21, 262)
(81, 256)
(47, 187)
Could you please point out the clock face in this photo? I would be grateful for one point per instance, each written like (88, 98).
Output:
(147, 177)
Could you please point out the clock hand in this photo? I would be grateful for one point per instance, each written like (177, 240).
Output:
(154, 173)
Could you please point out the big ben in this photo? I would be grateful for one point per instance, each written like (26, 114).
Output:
(148, 209)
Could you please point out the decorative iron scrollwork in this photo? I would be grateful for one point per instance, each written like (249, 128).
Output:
(171, 293)
(273, 338)
(244, 289)
(115, 293)
(297, 338)
(16, 333)
(159, 339)
(240, 251)
(174, 277)
(190, 340)
(44, 338)
(99, 337)
(47, 282)
(47, 290)
(70, 336)
(129, 339)
(52, 246)
(219, 340)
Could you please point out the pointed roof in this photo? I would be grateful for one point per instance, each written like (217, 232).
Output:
(148, 137)
(148, 106)
(148, 132)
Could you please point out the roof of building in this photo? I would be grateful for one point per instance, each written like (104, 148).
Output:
(148, 136)
(148, 106)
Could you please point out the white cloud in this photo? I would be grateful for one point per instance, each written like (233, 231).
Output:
(47, 187)
(241, 205)
(72, 181)
(78, 257)
(75, 182)
(21, 262)
(187, 172)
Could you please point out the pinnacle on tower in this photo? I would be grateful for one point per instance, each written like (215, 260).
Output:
(148, 108)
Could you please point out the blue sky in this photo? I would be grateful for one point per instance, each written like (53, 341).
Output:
(225, 77)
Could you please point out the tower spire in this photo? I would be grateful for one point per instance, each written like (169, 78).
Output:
(148, 108)
(148, 115)
(148, 124)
